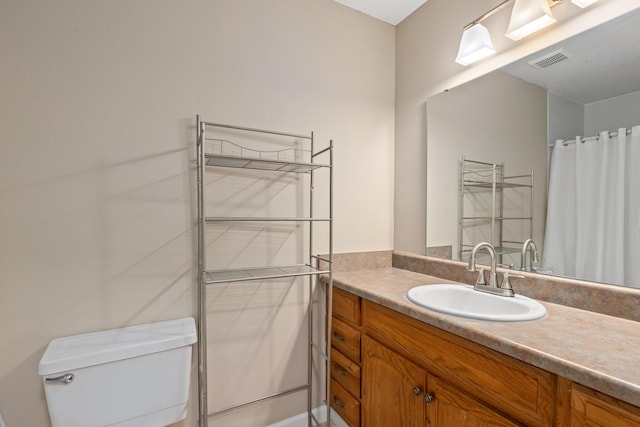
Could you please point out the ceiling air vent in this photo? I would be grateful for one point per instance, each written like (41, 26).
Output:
(550, 59)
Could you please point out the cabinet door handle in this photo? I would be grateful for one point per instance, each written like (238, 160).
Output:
(338, 337)
(339, 369)
(428, 398)
(338, 403)
(416, 390)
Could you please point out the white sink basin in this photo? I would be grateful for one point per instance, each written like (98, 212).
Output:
(464, 301)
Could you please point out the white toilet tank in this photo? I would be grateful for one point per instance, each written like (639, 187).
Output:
(130, 377)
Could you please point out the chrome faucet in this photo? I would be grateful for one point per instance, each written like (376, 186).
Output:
(492, 287)
(532, 258)
(472, 265)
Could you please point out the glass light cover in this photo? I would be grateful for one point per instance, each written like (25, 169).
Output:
(583, 3)
(475, 45)
(527, 17)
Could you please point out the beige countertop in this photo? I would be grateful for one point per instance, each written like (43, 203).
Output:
(596, 350)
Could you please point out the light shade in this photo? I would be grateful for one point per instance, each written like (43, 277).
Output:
(529, 16)
(475, 45)
(583, 3)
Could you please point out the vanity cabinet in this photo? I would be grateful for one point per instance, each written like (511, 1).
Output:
(389, 369)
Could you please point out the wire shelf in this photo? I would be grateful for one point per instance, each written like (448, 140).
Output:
(225, 153)
(280, 152)
(499, 185)
(260, 273)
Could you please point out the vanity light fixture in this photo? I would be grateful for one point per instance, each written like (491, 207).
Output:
(527, 17)
(583, 3)
(475, 45)
(476, 41)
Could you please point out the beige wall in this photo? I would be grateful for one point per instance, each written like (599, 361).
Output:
(97, 120)
(426, 46)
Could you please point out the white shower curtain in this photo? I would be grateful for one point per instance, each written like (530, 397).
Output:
(593, 211)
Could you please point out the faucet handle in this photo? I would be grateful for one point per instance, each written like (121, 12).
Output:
(511, 266)
(506, 279)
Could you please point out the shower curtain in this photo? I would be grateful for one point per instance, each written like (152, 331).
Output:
(593, 211)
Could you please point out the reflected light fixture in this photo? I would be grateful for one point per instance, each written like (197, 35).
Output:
(583, 3)
(527, 17)
(475, 45)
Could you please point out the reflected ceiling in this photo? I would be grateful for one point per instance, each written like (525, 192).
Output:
(600, 64)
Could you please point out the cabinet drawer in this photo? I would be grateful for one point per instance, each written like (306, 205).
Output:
(346, 306)
(346, 339)
(346, 372)
(345, 405)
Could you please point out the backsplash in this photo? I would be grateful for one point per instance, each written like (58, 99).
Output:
(360, 261)
(605, 299)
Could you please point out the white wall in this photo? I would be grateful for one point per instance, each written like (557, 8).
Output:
(97, 120)
(496, 118)
(566, 118)
(611, 114)
(426, 47)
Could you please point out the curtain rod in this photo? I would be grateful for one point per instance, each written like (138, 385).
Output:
(586, 138)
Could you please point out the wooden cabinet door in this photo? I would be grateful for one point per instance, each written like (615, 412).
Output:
(452, 407)
(521, 391)
(592, 409)
(392, 388)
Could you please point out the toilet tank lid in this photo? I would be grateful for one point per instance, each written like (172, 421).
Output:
(81, 351)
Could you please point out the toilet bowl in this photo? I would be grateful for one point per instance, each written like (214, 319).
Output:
(135, 376)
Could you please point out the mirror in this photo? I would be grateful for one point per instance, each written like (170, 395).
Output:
(505, 121)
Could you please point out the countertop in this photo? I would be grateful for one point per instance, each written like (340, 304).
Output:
(596, 350)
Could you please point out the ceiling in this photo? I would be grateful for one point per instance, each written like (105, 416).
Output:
(603, 62)
(391, 11)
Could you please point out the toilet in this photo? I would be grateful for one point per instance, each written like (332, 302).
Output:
(130, 377)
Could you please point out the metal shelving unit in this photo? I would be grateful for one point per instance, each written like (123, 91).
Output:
(228, 154)
(478, 179)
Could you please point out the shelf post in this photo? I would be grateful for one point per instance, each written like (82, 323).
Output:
(203, 417)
